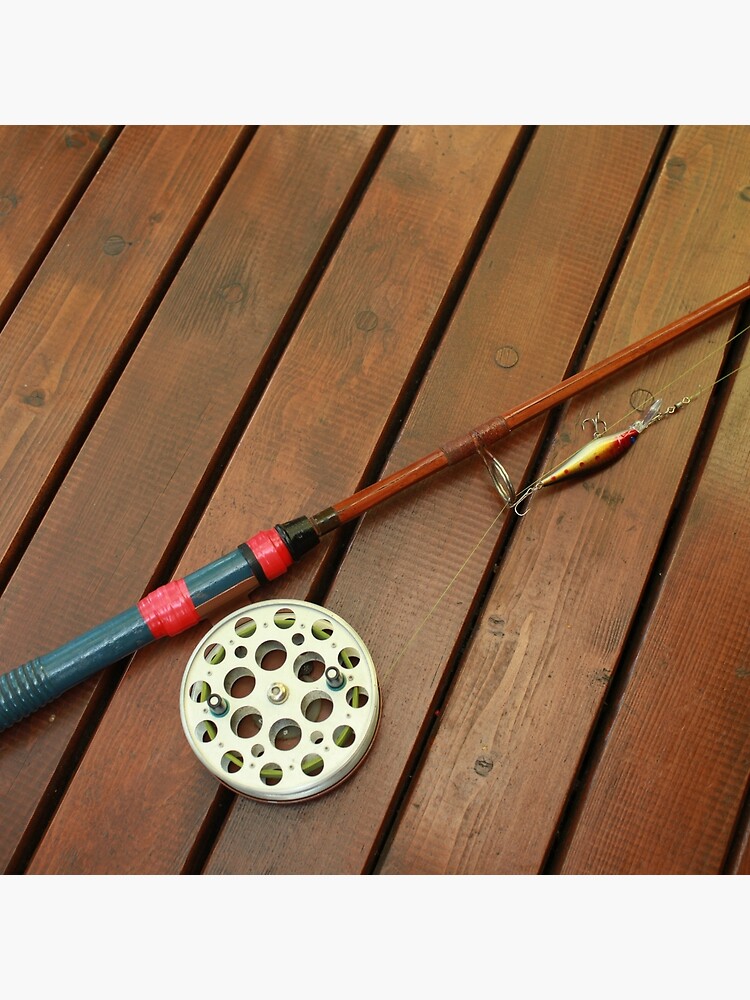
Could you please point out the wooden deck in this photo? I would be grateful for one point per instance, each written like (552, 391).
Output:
(208, 330)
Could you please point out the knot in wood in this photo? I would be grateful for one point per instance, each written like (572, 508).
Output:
(483, 765)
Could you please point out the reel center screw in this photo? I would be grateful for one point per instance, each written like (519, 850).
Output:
(278, 693)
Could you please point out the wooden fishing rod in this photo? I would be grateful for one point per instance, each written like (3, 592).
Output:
(180, 604)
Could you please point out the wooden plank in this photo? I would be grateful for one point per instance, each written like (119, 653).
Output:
(153, 451)
(557, 224)
(43, 170)
(83, 309)
(370, 318)
(532, 680)
(672, 767)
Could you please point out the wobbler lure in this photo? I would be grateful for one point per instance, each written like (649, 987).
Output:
(180, 604)
(602, 450)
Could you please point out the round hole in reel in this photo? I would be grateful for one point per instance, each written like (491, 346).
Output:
(302, 713)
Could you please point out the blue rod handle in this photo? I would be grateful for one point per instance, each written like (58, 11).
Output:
(32, 685)
(169, 610)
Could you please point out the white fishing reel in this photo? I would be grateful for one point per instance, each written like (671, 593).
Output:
(280, 700)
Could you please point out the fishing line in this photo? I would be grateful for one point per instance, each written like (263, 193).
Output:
(697, 364)
(590, 456)
(449, 585)
(503, 485)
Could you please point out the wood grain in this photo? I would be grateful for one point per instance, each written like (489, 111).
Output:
(672, 766)
(404, 556)
(532, 680)
(43, 171)
(370, 318)
(154, 449)
(82, 310)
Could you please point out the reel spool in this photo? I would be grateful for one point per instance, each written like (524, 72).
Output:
(280, 700)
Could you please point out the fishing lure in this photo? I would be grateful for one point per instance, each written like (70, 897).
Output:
(602, 450)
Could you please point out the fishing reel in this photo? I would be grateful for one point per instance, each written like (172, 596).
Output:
(280, 701)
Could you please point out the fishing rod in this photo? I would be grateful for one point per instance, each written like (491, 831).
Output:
(181, 604)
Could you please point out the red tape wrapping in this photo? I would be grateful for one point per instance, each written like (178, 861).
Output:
(272, 554)
(169, 610)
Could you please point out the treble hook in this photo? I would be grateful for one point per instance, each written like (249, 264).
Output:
(599, 425)
(522, 501)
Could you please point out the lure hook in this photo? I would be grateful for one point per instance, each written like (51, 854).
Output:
(599, 425)
(523, 500)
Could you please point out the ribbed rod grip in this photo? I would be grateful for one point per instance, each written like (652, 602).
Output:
(22, 691)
